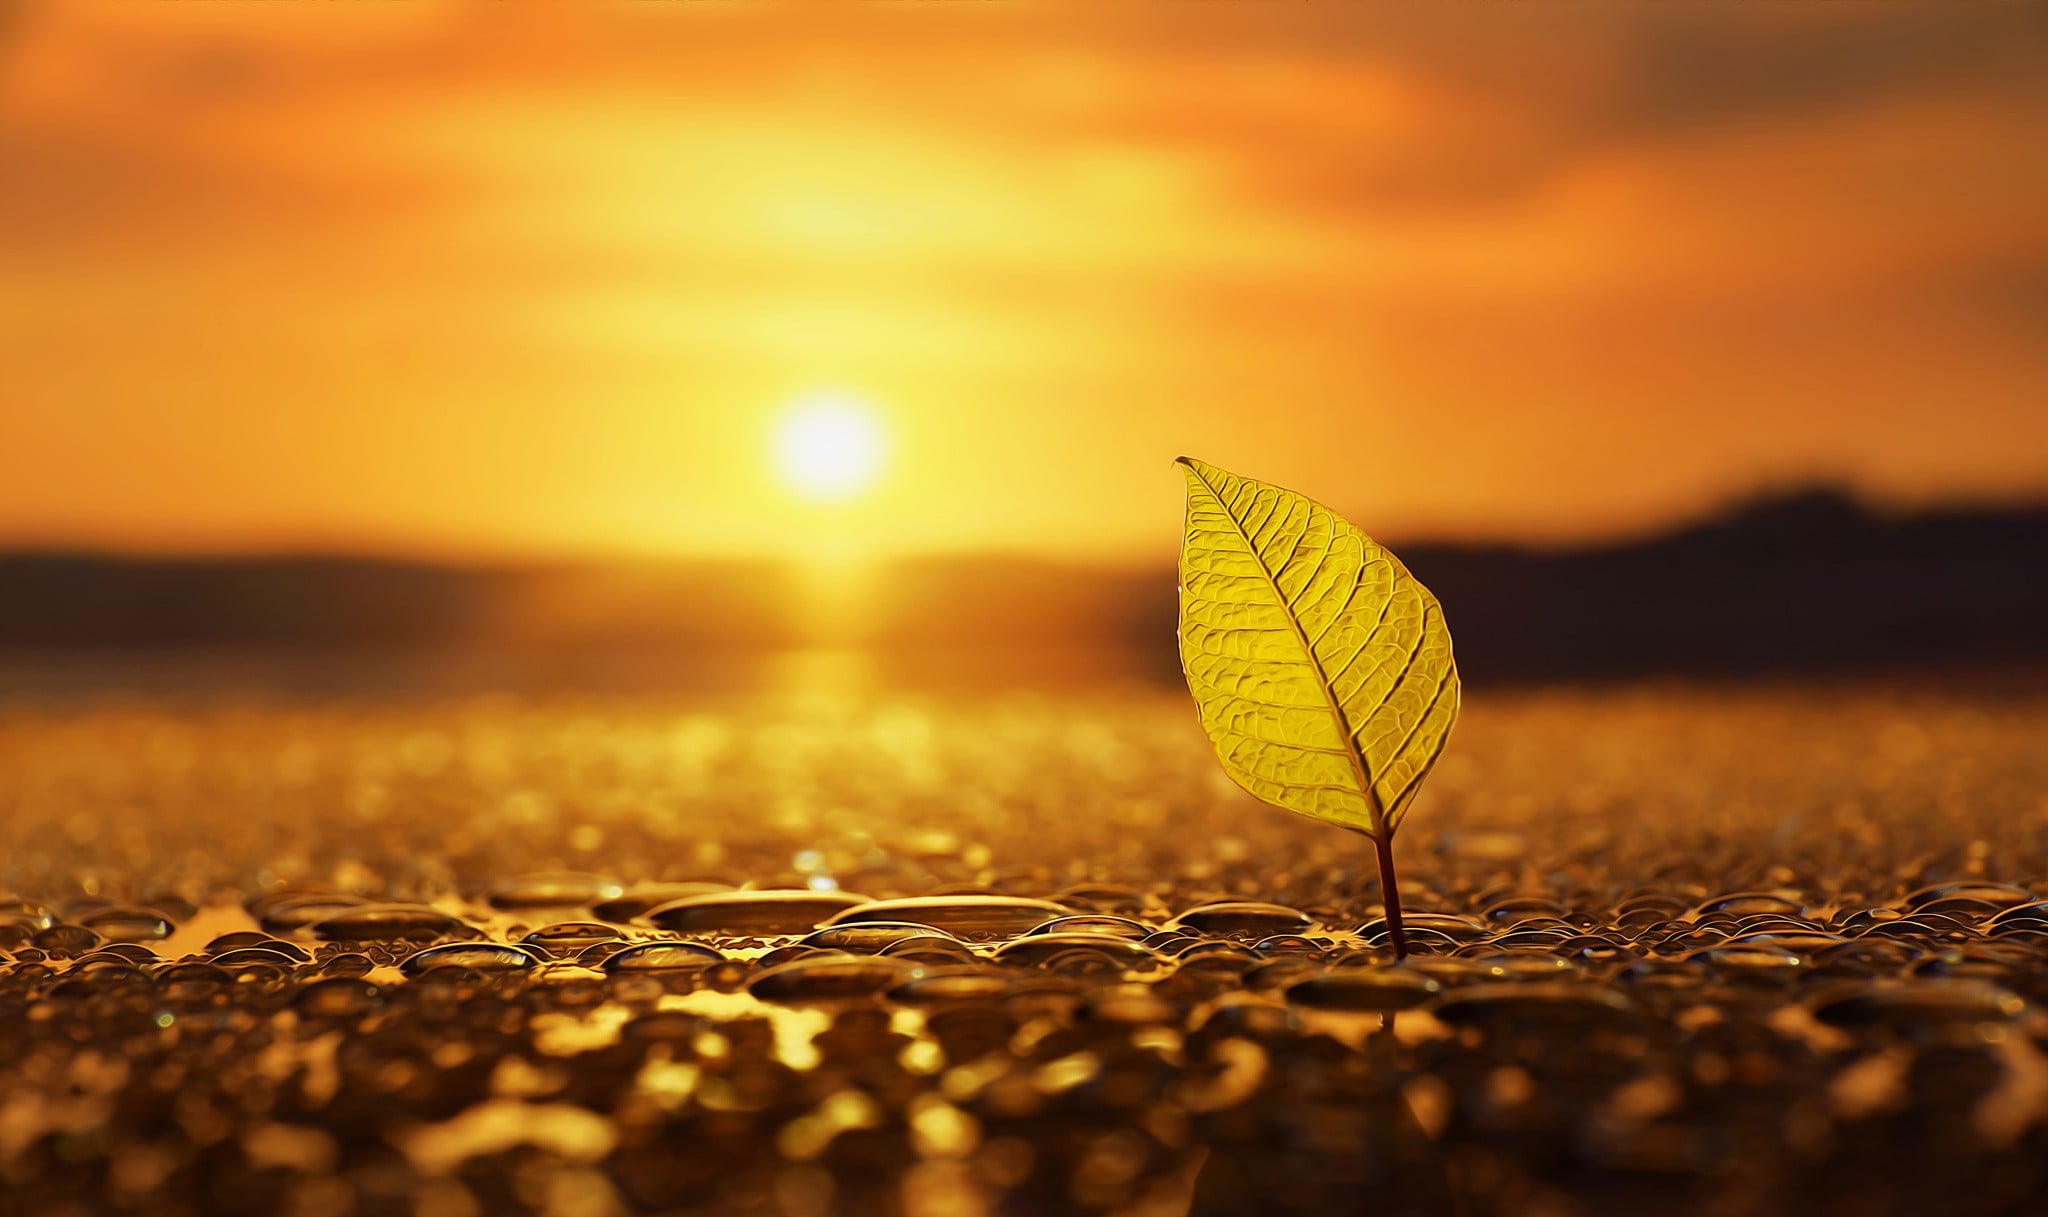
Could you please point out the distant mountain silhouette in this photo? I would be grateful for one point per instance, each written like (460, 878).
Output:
(1804, 582)
(1798, 583)
(87, 601)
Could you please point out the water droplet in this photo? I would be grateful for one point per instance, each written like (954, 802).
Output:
(66, 940)
(1214, 949)
(128, 924)
(662, 957)
(1377, 990)
(1804, 942)
(258, 956)
(753, 914)
(566, 939)
(1969, 912)
(1691, 939)
(387, 923)
(1591, 950)
(1660, 931)
(2033, 915)
(830, 976)
(933, 950)
(970, 918)
(1744, 903)
(1642, 918)
(1998, 895)
(1424, 941)
(24, 913)
(1758, 923)
(291, 950)
(474, 956)
(1920, 927)
(1515, 909)
(869, 938)
(1241, 919)
(1049, 950)
(1448, 926)
(306, 909)
(347, 963)
(1288, 944)
(1094, 923)
(132, 952)
(103, 967)
(594, 955)
(337, 997)
(1540, 939)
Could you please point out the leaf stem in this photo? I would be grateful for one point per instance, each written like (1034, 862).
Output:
(1390, 892)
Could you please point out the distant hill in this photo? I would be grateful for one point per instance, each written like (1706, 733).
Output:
(1798, 583)
(88, 601)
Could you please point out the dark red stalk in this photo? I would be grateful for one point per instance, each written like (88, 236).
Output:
(1390, 892)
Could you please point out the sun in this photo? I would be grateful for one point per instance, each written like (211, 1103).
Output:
(828, 447)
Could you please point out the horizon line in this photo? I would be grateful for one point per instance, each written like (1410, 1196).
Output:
(1757, 500)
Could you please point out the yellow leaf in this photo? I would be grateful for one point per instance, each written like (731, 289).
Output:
(1321, 667)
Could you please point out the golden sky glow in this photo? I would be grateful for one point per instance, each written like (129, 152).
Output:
(491, 281)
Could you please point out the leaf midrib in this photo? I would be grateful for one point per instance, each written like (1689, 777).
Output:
(1315, 665)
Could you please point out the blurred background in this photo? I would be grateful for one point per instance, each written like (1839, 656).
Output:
(702, 345)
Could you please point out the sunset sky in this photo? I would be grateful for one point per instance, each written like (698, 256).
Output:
(488, 282)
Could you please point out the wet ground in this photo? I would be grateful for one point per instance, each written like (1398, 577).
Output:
(1711, 952)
